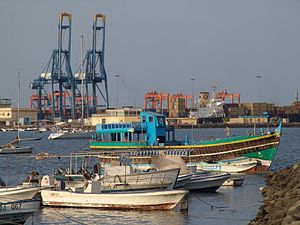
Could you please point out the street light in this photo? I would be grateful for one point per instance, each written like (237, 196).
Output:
(117, 97)
(258, 84)
(193, 79)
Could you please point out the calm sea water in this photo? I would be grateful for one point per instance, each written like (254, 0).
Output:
(229, 206)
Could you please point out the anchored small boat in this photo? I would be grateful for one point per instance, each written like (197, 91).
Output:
(70, 134)
(12, 149)
(165, 179)
(206, 181)
(91, 197)
(238, 165)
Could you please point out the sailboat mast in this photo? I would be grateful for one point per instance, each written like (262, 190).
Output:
(19, 86)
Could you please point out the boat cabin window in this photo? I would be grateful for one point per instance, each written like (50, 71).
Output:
(144, 119)
(150, 119)
(161, 121)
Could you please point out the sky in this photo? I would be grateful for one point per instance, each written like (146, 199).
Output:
(159, 45)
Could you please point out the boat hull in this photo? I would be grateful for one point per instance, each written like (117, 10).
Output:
(206, 181)
(70, 135)
(16, 150)
(20, 192)
(159, 200)
(182, 180)
(260, 147)
(17, 212)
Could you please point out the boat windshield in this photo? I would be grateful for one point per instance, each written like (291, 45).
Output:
(161, 121)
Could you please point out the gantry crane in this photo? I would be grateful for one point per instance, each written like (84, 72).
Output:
(95, 69)
(60, 77)
(62, 100)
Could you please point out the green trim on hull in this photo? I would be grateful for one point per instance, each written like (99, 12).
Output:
(204, 144)
(229, 139)
(266, 154)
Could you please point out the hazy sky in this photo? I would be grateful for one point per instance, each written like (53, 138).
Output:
(161, 44)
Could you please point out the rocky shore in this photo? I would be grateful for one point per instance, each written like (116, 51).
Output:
(281, 198)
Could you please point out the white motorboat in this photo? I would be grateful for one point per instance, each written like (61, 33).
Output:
(206, 181)
(25, 191)
(91, 197)
(164, 179)
(229, 166)
(17, 212)
(73, 134)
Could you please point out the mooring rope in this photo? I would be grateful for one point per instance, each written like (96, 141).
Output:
(68, 218)
(205, 202)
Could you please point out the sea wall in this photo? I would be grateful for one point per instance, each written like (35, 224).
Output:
(281, 204)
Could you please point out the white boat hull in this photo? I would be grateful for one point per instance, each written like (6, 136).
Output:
(70, 135)
(20, 192)
(158, 200)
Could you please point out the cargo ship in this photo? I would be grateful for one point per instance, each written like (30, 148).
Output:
(208, 110)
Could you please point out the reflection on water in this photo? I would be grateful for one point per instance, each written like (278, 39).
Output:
(229, 206)
(93, 216)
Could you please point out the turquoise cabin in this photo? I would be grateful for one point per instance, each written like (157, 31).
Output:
(150, 131)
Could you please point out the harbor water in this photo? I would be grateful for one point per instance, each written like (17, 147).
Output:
(228, 206)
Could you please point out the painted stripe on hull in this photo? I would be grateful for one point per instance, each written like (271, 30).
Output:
(165, 206)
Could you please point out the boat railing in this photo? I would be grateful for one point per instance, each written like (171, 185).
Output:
(162, 177)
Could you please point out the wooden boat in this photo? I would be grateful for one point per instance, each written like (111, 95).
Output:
(206, 181)
(152, 137)
(25, 191)
(92, 197)
(17, 211)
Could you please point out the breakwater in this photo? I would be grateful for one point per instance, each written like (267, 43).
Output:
(281, 205)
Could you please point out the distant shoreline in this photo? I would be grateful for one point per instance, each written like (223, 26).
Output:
(224, 125)
(180, 126)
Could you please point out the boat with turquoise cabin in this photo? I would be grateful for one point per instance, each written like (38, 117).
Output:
(152, 137)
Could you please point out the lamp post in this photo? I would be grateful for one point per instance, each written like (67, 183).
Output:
(81, 77)
(258, 85)
(193, 103)
(117, 97)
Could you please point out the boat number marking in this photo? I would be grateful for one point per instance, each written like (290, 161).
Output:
(14, 206)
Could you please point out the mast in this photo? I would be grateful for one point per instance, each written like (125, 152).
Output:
(18, 137)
